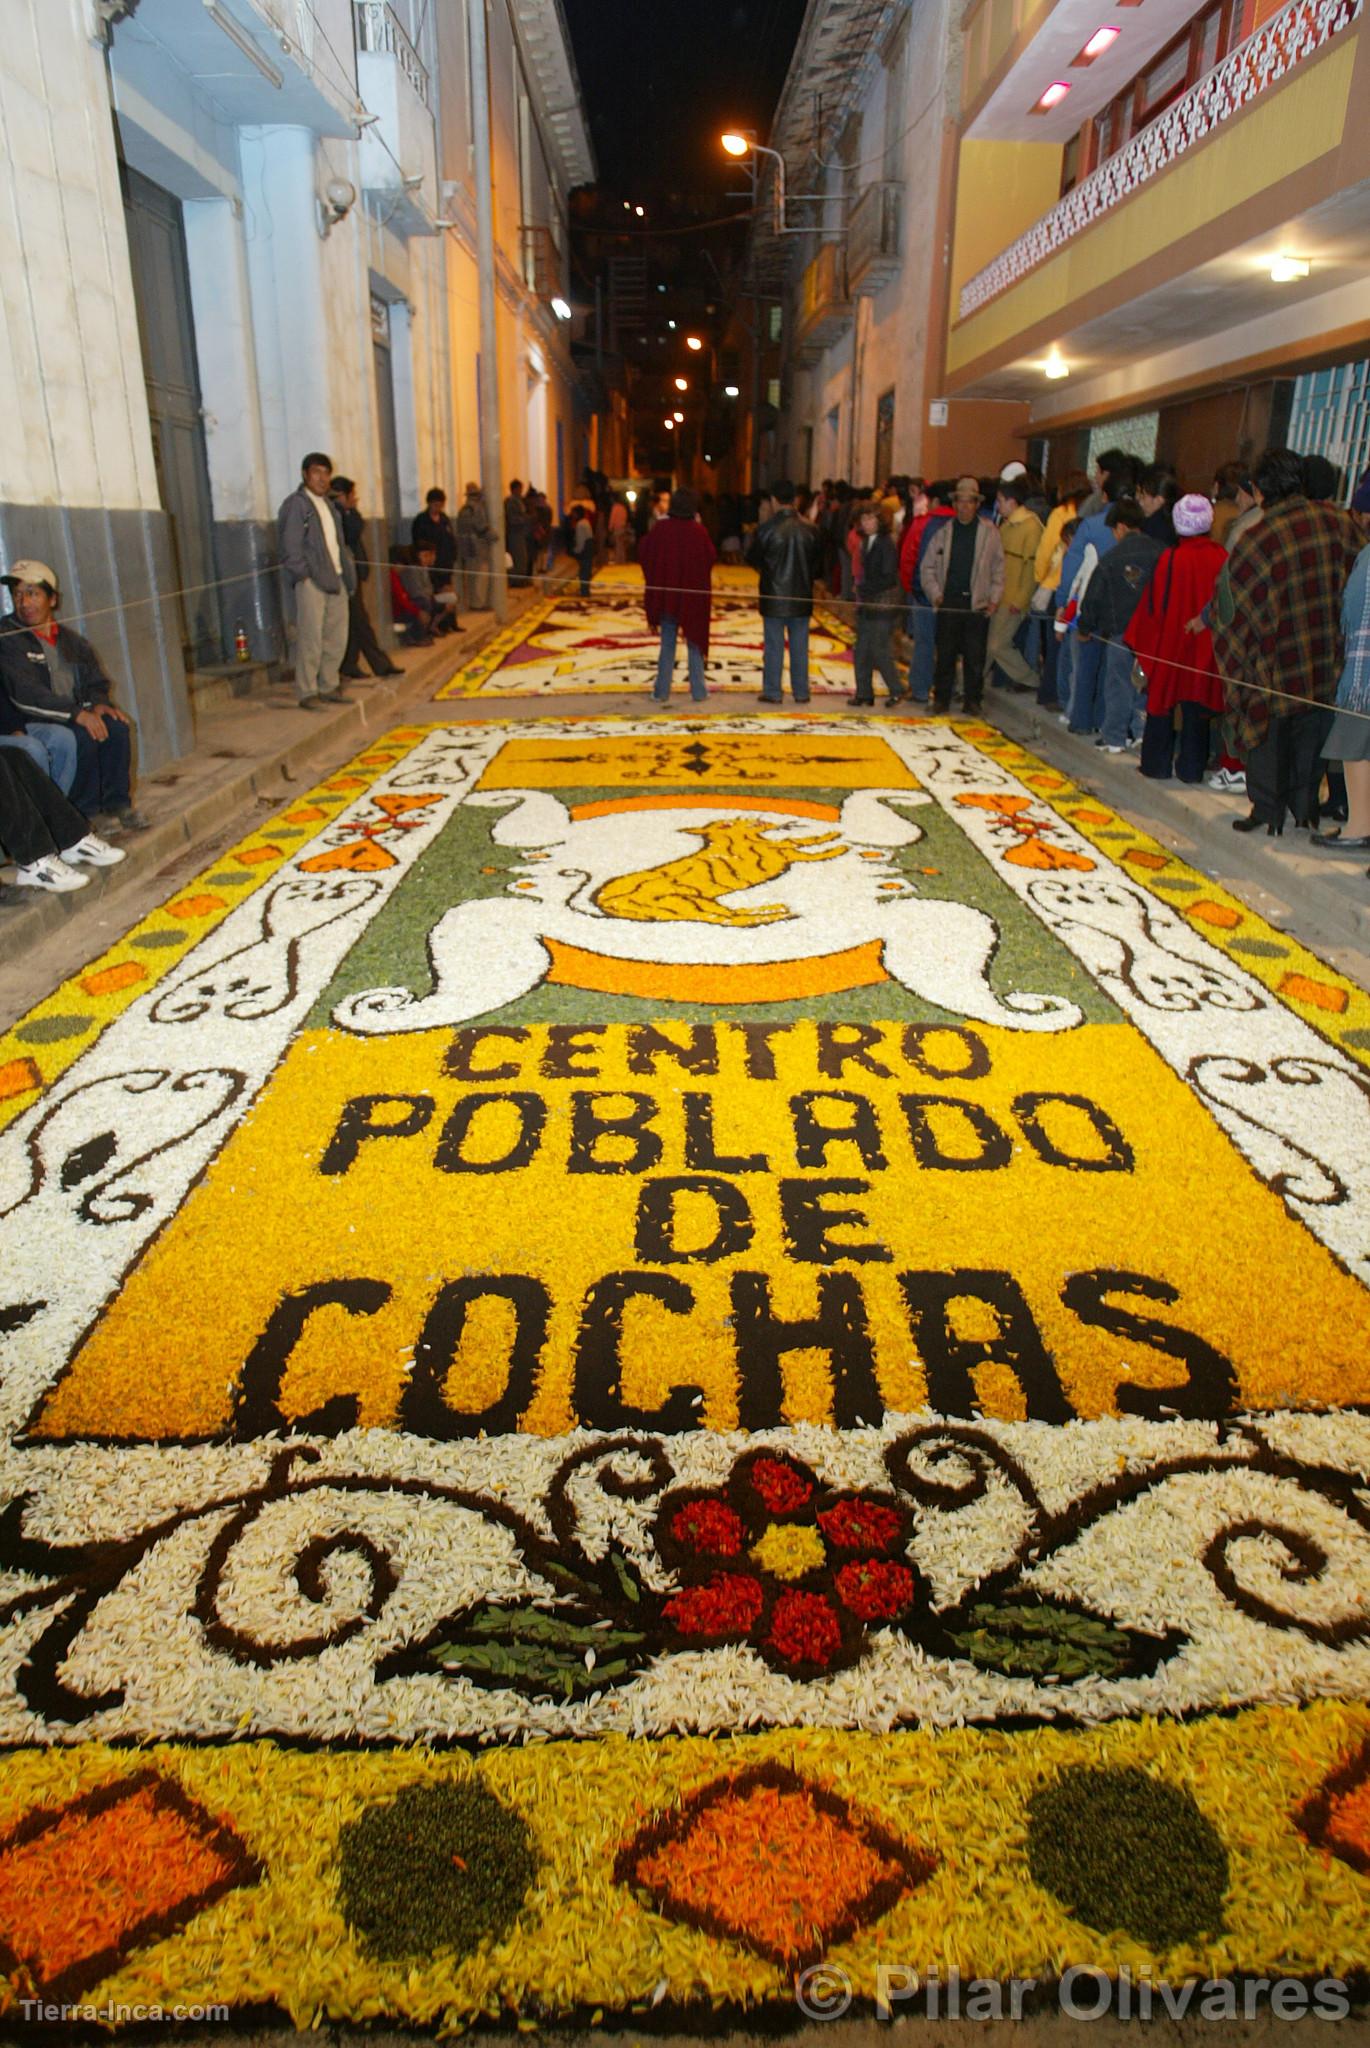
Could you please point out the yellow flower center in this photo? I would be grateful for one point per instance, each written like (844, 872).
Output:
(789, 1551)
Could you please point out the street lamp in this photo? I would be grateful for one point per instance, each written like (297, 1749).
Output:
(669, 426)
(731, 391)
(738, 142)
(692, 341)
(678, 417)
(682, 383)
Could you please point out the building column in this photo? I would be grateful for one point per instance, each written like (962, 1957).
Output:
(80, 490)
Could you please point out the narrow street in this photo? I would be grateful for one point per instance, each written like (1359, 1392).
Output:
(669, 1368)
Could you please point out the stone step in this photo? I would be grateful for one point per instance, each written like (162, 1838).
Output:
(219, 682)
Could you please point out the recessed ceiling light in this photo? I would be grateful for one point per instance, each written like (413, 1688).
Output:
(1285, 269)
(1101, 40)
(1056, 365)
(1053, 96)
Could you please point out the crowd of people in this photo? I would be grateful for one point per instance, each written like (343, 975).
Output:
(1222, 634)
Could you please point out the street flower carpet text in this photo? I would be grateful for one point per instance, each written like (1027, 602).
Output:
(636, 1361)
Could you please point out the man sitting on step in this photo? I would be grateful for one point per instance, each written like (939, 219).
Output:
(55, 677)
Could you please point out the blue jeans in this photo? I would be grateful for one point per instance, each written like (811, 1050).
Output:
(923, 638)
(51, 747)
(1085, 696)
(773, 633)
(1122, 704)
(665, 664)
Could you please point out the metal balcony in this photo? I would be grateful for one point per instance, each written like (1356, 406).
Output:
(399, 161)
(380, 32)
(873, 251)
(541, 260)
(825, 310)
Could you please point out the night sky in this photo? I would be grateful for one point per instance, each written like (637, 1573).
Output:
(663, 78)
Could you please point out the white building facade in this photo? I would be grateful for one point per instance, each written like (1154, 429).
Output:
(238, 230)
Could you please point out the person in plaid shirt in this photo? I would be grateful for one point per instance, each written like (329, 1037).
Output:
(1277, 638)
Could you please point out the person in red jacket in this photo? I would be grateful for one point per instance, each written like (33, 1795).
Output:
(677, 559)
(1175, 649)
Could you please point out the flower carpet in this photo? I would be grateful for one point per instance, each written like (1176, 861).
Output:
(572, 645)
(650, 1373)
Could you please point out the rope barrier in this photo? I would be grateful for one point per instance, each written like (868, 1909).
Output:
(627, 594)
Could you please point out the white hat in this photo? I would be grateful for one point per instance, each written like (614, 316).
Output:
(1011, 472)
(30, 572)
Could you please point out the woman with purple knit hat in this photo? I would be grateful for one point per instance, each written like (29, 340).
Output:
(1174, 649)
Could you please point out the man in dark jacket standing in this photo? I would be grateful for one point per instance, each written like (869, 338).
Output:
(432, 528)
(316, 559)
(361, 634)
(1112, 596)
(518, 535)
(785, 550)
(877, 606)
(54, 677)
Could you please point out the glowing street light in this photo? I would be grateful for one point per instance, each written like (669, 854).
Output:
(669, 426)
(692, 341)
(641, 212)
(678, 417)
(736, 145)
(682, 383)
(731, 391)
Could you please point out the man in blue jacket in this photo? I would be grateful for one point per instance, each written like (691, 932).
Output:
(319, 563)
(1086, 679)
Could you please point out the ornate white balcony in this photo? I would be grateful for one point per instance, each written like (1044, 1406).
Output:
(1286, 39)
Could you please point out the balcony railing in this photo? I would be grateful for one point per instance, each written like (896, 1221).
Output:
(824, 307)
(541, 260)
(381, 32)
(873, 237)
(1296, 32)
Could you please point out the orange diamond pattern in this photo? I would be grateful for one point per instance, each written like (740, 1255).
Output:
(774, 1861)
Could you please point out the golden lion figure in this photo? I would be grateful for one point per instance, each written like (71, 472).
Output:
(737, 854)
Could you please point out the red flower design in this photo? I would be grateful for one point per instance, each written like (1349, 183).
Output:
(804, 1629)
(874, 1588)
(728, 1606)
(782, 1487)
(709, 1525)
(771, 1513)
(861, 1524)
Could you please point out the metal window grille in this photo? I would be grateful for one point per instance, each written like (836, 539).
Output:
(1330, 416)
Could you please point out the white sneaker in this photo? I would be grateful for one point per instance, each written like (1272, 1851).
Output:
(50, 873)
(1109, 750)
(1225, 779)
(94, 851)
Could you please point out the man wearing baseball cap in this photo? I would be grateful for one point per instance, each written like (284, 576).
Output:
(54, 677)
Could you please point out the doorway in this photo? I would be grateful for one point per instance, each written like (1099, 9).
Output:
(385, 417)
(166, 332)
